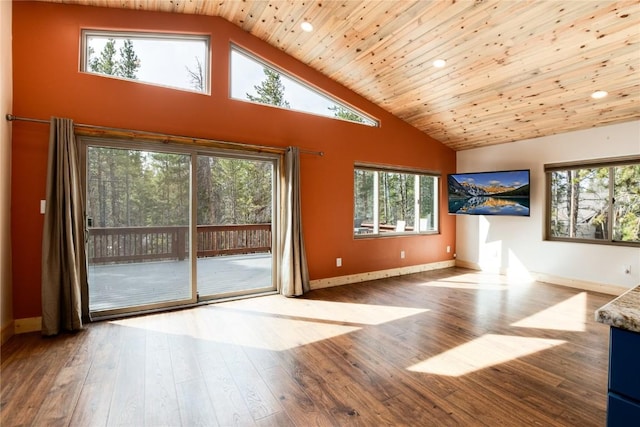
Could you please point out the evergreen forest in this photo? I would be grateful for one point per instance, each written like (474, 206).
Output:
(137, 188)
(601, 203)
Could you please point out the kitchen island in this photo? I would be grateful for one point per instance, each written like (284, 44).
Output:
(623, 315)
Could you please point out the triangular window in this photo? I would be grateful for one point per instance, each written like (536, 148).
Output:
(254, 80)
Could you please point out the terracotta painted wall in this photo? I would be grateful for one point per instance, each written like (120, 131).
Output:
(47, 82)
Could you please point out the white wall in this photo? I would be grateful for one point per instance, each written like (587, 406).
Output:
(6, 311)
(512, 244)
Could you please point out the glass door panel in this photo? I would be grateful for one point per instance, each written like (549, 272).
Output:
(138, 210)
(234, 226)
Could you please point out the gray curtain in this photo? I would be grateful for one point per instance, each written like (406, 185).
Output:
(294, 273)
(64, 266)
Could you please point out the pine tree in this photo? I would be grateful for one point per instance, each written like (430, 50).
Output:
(270, 91)
(627, 203)
(126, 64)
(129, 62)
(106, 62)
(346, 114)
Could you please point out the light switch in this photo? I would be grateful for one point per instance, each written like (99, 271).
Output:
(43, 206)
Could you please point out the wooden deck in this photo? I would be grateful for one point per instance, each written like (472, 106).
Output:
(133, 284)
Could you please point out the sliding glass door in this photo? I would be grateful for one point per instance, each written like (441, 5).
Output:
(138, 227)
(168, 228)
(234, 232)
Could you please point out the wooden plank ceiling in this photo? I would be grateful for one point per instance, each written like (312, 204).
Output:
(515, 69)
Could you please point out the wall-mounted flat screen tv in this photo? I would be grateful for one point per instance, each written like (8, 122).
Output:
(489, 193)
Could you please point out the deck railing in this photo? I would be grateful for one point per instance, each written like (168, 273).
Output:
(137, 244)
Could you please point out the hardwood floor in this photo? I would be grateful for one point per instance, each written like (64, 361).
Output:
(447, 347)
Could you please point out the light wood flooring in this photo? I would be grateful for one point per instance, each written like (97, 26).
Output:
(447, 347)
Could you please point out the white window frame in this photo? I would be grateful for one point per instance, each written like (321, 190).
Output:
(123, 35)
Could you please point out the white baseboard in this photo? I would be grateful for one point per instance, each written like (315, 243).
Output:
(29, 324)
(581, 284)
(380, 274)
(584, 285)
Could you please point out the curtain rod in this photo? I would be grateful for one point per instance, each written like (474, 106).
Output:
(11, 118)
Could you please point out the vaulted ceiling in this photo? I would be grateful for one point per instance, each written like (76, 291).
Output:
(514, 69)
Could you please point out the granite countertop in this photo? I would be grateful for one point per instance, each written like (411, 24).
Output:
(623, 312)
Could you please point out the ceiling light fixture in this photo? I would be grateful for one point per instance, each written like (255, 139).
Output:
(599, 94)
(306, 26)
(439, 63)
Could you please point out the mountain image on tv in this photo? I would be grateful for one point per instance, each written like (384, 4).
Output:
(489, 193)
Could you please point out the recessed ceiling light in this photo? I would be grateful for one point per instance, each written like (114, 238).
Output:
(599, 94)
(306, 26)
(439, 63)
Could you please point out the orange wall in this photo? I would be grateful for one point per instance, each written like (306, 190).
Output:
(47, 82)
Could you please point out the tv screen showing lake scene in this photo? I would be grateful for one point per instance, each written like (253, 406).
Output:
(489, 193)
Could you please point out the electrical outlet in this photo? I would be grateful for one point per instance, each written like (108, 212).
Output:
(338, 262)
(402, 254)
(448, 249)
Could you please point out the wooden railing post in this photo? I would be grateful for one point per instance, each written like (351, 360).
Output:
(180, 241)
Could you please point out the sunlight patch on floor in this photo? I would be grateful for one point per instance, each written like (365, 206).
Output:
(238, 328)
(272, 322)
(483, 352)
(568, 315)
(479, 277)
(366, 314)
(479, 280)
(465, 285)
